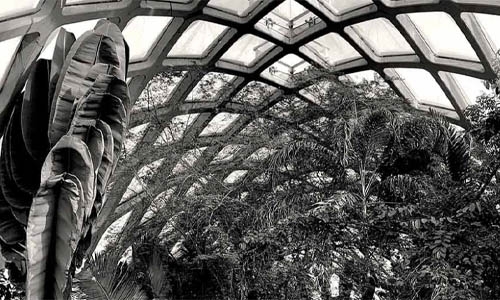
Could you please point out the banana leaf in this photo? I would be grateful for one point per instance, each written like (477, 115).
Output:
(110, 29)
(36, 110)
(91, 48)
(52, 236)
(64, 42)
(10, 191)
(71, 155)
(24, 170)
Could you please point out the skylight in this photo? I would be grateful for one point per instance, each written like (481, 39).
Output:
(247, 50)
(219, 124)
(8, 49)
(254, 93)
(142, 33)
(227, 153)
(209, 87)
(235, 176)
(339, 10)
(423, 87)
(331, 50)
(197, 39)
(13, 8)
(286, 69)
(176, 129)
(443, 35)
(287, 21)
(380, 37)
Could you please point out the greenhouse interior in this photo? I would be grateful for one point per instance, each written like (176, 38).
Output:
(250, 149)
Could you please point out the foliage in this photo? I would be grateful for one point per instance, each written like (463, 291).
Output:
(393, 201)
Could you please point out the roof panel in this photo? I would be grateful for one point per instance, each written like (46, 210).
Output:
(196, 39)
(382, 37)
(219, 124)
(285, 70)
(227, 153)
(239, 8)
(142, 33)
(247, 50)
(209, 87)
(470, 87)
(490, 24)
(158, 90)
(8, 49)
(14, 8)
(443, 35)
(77, 29)
(331, 50)
(338, 10)
(287, 20)
(188, 159)
(176, 129)
(235, 176)
(254, 93)
(423, 87)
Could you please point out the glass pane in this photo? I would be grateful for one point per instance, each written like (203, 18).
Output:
(77, 29)
(330, 50)
(157, 205)
(236, 7)
(336, 8)
(423, 87)
(254, 93)
(261, 154)
(134, 136)
(284, 70)
(187, 160)
(235, 176)
(247, 50)
(158, 90)
(443, 35)
(382, 37)
(470, 87)
(176, 129)
(219, 123)
(227, 153)
(8, 49)
(142, 34)
(490, 25)
(316, 93)
(210, 87)
(287, 20)
(196, 40)
(112, 232)
(359, 77)
(17, 7)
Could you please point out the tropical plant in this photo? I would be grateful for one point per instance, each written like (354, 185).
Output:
(60, 148)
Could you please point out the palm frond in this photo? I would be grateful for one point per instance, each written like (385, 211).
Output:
(105, 279)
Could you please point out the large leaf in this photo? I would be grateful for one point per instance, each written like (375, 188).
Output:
(71, 155)
(36, 110)
(64, 42)
(24, 170)
(10, 190)
(110, 29)
(89, 49)
(52, 235)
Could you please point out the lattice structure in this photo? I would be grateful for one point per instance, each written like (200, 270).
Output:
(433, 53)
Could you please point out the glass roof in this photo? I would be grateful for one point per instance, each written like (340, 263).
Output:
(443, 35)
(142, 33)
(196, 40)
(228, 68)
(247, 50)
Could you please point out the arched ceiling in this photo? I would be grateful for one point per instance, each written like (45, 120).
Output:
(433, 53)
